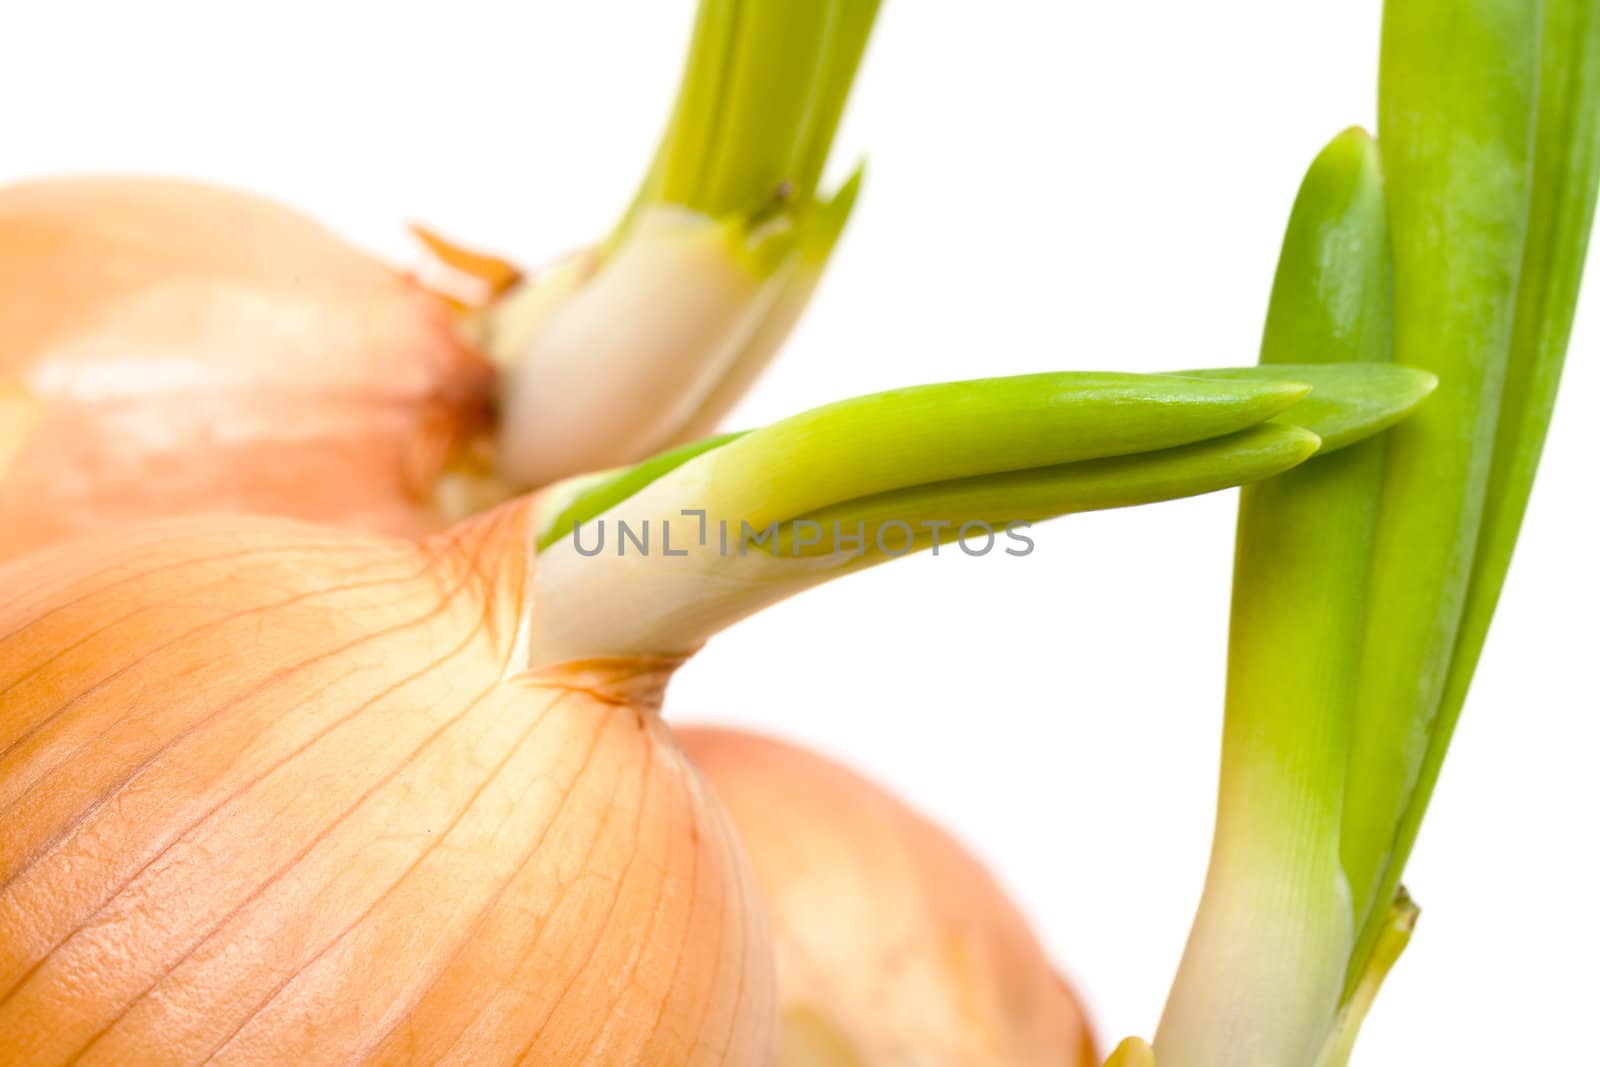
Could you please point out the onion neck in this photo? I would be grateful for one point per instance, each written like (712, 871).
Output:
(649, 338)
(633, 681)
(614, 370)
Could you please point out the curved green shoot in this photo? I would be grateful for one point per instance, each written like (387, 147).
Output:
(932, 433)
(938, 513)
(649, 339)
(947, 431)
(707, 539)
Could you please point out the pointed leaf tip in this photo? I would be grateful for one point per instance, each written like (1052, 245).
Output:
(1347, 402)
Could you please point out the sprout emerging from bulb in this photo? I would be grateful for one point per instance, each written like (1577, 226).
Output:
(172, 348)
(276, 790)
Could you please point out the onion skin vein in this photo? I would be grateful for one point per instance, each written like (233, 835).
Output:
(328, 846)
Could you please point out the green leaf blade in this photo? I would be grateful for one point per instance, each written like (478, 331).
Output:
(1457, 92)
(1275, 923)
(1565, 171)
(764, 88)
(907, 437)
(995, 501)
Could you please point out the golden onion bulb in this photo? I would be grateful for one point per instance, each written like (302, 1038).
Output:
(170, 347)
(894, 945)
(276, 793)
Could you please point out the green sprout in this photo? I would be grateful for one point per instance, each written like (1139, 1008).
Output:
(649, 339)
(748, 519)
(1364, 583)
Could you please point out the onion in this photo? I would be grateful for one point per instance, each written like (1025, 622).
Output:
(182, 347)
(893, 944)
(169, 348)
(270, 791)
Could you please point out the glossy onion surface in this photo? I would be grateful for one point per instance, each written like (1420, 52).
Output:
(171, 347)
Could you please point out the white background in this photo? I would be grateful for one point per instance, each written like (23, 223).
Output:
(1050, 186)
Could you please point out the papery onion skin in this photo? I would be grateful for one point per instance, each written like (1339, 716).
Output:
(894, 945)
(274, 793)
(190, 348)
